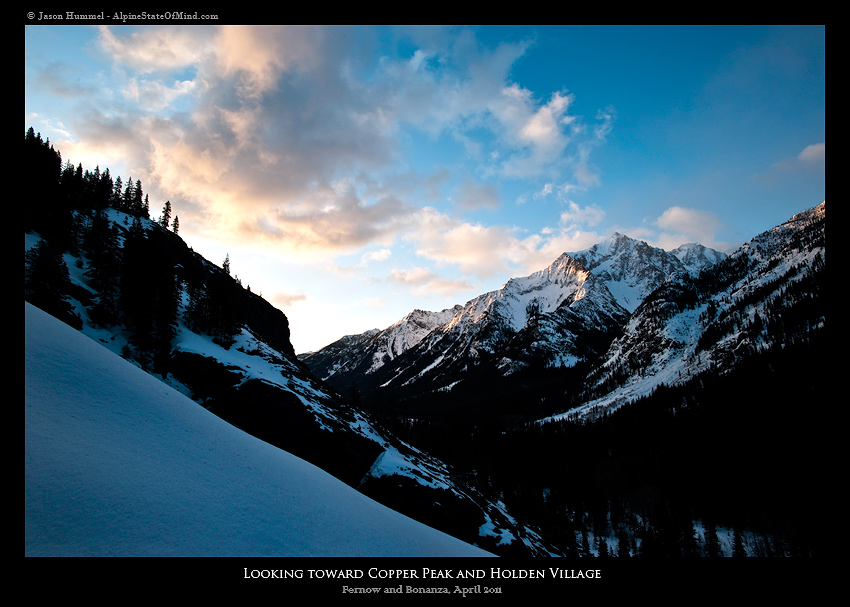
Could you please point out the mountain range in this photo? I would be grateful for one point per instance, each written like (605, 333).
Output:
(558, 316)
(573, 411)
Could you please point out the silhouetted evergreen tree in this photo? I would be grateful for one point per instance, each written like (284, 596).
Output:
(116, 200)
(149, 294)
(738, 545)
(135, 292)
(165, 218)
(46, 282)
(45, 212)
(104, 254)
(712, 543)
(128, 198)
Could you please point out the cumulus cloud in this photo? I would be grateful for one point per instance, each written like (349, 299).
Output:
(682, 225)
(537, 136)
(285, 300)
(156, 95)
(813, 153)
(590, 215)
(158, 49)
(275, 134)
(380, 255)
(425, 282)
(810, 160)
(488, 251)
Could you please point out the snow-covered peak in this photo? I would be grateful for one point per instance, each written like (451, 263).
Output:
(749, 302)
(695, 257)
(411, 329)
(631, 269)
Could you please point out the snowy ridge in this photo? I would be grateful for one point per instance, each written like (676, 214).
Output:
(668, 342)
(632, 269)
(369, 351)
(550, 298)
(406, 333)
(696, 257)
(542, 316)
(543, 292)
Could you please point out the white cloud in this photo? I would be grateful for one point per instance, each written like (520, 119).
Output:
(576, 215)
(489, 251)
(535, 137)
(682, 225)
(810, 160)
(290, 144)
(425, 282)
(285, 300)
(380, 255)
(156, 49)
(813, 153)
(155, 95)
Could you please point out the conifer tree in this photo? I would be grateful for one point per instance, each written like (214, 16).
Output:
(712, 543)
(738, 545)
(165, 218)
(127, 199)
(196, 315)
(46, 282)
(117, 194)
(138, 204)
(46, 211)
(135, 291)
(101, 246)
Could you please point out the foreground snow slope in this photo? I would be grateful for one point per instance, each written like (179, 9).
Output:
(118, 463)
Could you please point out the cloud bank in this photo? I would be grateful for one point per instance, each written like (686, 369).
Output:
(293, 137)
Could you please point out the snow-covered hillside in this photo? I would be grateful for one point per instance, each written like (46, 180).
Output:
(119, 463)
(745, 305)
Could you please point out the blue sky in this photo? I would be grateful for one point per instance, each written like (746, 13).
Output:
(355, 173)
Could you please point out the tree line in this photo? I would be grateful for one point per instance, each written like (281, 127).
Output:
(56, 190)
(137, 271)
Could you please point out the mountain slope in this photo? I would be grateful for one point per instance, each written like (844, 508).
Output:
(763, 295)
(354, 355)
(228, 350)
(551, 317)
(116, 463)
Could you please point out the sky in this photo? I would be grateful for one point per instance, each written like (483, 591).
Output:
(354, 173)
